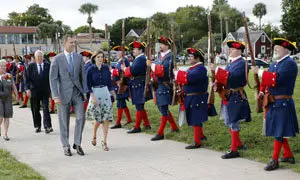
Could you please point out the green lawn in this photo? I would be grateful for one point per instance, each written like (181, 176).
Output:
(10, 168)
(260, 148)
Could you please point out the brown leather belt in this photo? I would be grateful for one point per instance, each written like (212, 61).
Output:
(195, 93)
(137, 77)
(283, 97)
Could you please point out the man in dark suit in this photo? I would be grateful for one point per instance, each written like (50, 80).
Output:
(38, 89)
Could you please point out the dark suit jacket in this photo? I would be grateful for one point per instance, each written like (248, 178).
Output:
(38, 85)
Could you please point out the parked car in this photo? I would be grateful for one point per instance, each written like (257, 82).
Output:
(179, 58)
(113, 64)
(259, 63)
(295, 57)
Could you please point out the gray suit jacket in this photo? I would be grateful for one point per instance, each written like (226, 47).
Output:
(61, 83)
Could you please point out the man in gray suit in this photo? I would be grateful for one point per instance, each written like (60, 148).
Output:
(68, 87)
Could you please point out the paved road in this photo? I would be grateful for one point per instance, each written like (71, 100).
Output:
(131, 157)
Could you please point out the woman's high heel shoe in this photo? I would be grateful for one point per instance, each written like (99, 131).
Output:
(104, 146)
(94, 141)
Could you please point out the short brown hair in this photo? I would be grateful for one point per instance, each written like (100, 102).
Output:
(65, 38)
(96, 54)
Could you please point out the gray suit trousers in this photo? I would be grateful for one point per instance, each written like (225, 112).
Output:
(64, 118)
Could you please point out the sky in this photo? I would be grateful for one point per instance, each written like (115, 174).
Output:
(111, 10)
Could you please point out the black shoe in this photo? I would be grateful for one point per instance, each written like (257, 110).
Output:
(242, 148)
(204, 138)
(15, 104)
(116, 126)
(48, 130)
(290, 160)
(230, 154)
(175, 131)
(193, 146)
(157, 137)
(52, 112)
(6, 138)
(272, 165)
(23, 106)
(134, 130)
(67, 152)
(148, 127)
(37, 130)
(78, 149)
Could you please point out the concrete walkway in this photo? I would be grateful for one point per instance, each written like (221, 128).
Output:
(131, 157)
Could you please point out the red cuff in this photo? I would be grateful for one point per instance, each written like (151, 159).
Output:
(127, 72)
(21, 68)
(115, 72)
(182, 77)
(159, 70)
(222, 76)
(8, 65)
(262, 88)
(269, 79)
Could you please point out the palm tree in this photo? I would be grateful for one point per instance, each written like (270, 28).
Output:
(89, 8)
(259, 11)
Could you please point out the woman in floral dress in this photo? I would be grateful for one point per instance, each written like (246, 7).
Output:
(100, 107)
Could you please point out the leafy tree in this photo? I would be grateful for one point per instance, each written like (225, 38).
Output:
(35, 15)
(14, 18)
(104, 46)
(259, 11)
(85, 29)
(290, 19)
(89, 9)
(130, 23)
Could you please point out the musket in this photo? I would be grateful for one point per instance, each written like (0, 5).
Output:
(15, 56)
(148, 54)
(108, 41)
(211, 96)
(5, 54)
(177, 95)
(259, 106)
(123, 81)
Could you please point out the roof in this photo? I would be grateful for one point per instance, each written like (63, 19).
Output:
(18, 29)
(139, 31)
(254, 35)
(239, 35)
(135, 32)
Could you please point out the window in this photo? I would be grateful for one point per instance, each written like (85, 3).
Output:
(17, 38)
(263, 38)
(263, 49)
(10, 38)
(24, 38)
(2, 38)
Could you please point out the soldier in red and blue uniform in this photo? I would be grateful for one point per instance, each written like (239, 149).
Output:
(19, 78)
(234, 105)
(281, 118)
(121, 98)
(50, 57)
(137, 74)
(10, 66)
(27, 60)
(86, 55)
(162, 74)
(195, 84)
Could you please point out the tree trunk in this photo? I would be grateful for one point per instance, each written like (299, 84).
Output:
(259, 23)
(90, 32)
